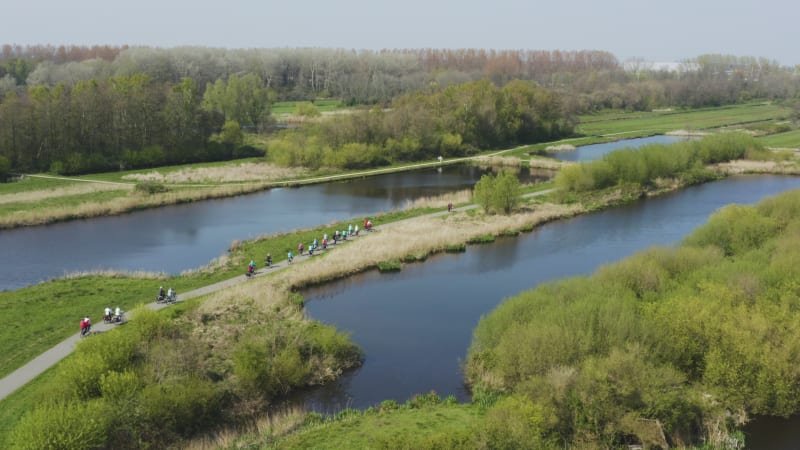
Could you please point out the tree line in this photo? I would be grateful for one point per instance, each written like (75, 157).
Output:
(126, 121)
(456, 121)
(80, 109)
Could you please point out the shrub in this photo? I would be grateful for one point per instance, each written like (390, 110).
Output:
(456, 248)
(485, 239)
(393, 265)
(150, 187)
(497, 193)
(70, 425)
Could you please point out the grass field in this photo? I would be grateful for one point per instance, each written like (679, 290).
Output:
(323, 105)
(616, 123)
(403, 428)
(790, 139)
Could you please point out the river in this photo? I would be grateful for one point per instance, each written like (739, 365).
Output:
(172, 239)
(596, 151)
(416, 325)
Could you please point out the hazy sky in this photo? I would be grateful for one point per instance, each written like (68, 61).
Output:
(655, 30)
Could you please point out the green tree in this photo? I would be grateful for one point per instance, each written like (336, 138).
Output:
(5, 168)
(497, 193)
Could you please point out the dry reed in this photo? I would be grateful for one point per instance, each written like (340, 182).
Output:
(141, 274)
(497, 161)
(132, 202)
(277, 423)
(75, 189)
(440, 201)
(748, 166)
(221, 174)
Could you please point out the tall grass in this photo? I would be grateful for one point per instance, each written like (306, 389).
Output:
(260, 172)
(73, 189)
(39, 216)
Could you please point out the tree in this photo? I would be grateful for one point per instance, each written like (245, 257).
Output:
(5, 168)
(497, 193)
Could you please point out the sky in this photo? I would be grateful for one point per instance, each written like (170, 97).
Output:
(655, 30)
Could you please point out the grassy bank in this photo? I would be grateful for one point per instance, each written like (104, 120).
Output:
(659, 122)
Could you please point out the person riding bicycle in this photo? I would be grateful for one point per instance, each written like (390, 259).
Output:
(290, 256)
(118, 315)
(300, 249)
(161, 293)
(86, 326)
(107, 314)
(171, 294)
(251, 268)
(268, 260)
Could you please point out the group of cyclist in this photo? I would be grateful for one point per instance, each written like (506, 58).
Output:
(314, 246)
(338, 235)
(109, 316)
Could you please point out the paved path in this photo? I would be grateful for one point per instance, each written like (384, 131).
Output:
(31, 370)
(34, 368)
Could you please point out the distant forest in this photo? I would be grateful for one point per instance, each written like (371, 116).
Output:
(74, 109)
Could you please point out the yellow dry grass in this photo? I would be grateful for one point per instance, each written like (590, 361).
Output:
(392, 241)
(133, 201)
(547, 163)
(141, 274)
(278, 423)
(221, 174)
(497, 161)
(76, 189)
(440, 201)
(748, 166)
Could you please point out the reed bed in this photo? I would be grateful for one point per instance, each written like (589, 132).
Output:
(76, 189)
(749, 166)
(497, 161)
(140, 274)
(277, 423)
(119, 205)
(440, 201)
(221, 174)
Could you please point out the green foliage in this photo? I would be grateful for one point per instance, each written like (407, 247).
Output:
(150, 187)
(456, 248)
(394, 265)
(498, 193)
(63, 426)
(5, 168)
(652, 346)
(243, 99)
(306, 109)
(644, 166)
(485, 239)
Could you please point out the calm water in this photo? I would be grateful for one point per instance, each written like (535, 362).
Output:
(176, 238)
(596, 151)
(415, 326)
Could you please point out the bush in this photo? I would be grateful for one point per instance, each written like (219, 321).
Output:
(67, 426)
(497, 193)
(393, 265)
(150, 187)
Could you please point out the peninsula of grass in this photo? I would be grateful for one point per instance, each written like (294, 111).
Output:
(423, 422)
